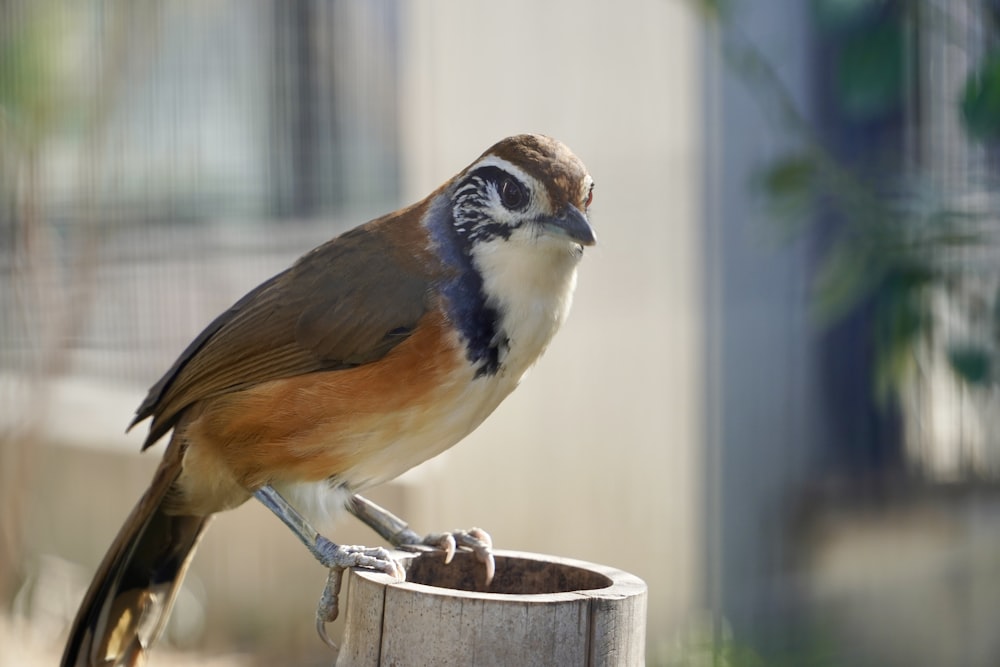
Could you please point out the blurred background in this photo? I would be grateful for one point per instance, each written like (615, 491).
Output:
(775, 399)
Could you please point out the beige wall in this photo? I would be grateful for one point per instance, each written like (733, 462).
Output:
(596, 456)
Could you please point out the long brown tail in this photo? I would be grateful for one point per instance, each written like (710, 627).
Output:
(129, 600)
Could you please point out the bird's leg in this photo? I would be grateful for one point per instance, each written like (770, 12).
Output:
(398, 533)
(326, 552)
(336, 557)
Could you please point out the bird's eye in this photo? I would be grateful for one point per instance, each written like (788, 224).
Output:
(512, 193)
(590, 198)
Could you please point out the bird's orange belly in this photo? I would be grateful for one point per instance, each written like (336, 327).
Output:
(362, 425)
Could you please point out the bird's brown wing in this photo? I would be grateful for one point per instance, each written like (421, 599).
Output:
(345, 303)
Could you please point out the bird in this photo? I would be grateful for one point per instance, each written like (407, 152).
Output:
(372, 353)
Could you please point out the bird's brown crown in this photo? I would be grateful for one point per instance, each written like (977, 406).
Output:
(550, 162)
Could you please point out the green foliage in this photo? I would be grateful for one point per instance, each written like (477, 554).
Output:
(27, 72)
(891, 247)
(980, 101)
(846, 277)
(833, 15)
(870, 72)
(902, 317)
(972, 363)
(869, 62)
(789, 182)
(711, 9)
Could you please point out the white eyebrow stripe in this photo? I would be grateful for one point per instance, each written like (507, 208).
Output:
(500, 163)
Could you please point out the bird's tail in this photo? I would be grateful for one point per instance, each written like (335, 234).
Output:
(129, 600)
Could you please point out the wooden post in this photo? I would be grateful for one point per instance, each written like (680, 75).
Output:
(539, 610)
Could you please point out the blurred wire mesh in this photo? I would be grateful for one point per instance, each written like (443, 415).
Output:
(157, 159)
(132, 133)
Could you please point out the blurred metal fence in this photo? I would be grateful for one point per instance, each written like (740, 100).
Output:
(155, 155)
(951, 425)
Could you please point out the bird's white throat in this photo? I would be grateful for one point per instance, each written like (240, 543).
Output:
(530, 282)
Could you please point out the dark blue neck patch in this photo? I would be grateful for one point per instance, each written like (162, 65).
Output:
(465, 300)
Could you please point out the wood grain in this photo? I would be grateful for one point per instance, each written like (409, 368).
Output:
(541, 617)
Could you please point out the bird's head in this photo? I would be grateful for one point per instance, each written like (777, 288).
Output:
(525, 190)
(510, 230)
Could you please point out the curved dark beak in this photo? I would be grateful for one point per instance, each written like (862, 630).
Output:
(571, 222)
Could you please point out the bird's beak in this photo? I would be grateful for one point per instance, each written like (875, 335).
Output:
(570, 222)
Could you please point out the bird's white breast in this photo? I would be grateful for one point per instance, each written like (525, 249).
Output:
(532, 293)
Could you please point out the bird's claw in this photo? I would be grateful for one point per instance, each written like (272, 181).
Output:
(443, 542)
(329, 605)
(476, 540)
(339, 557)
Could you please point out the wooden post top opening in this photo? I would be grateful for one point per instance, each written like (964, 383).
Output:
(539, 610)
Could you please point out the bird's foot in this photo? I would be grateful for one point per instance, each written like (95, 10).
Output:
(339, 557)
(398, 533)
(345, 555)
(476, 540)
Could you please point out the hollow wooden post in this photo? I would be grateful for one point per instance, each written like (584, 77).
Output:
(539, 610)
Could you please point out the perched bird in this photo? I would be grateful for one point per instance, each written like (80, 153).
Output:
(374, 352)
